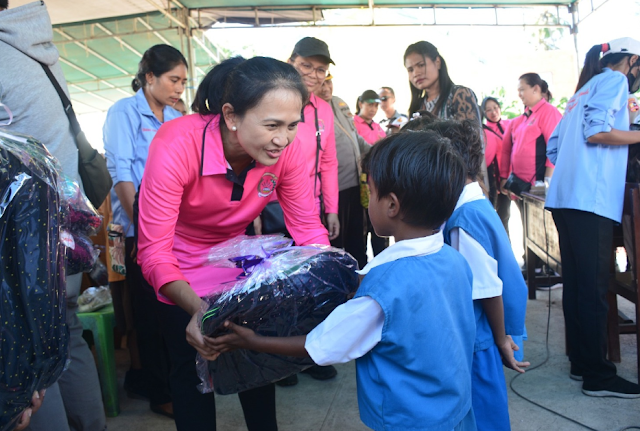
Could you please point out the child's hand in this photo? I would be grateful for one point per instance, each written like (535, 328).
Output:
(239, 338)
(201, 343)
(506, 353)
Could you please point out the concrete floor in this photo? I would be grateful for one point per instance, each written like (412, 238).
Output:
(332, 405)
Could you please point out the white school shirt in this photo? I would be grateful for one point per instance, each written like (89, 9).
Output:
(355, 327)
(486, 283)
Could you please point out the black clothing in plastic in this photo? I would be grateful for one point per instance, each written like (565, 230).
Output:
(34, 336)
(288, 293)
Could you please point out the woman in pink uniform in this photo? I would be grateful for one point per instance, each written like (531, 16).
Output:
(208, 176)
(494, 129)
(366, 109)
(524, 146)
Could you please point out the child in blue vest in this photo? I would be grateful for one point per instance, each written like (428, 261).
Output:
(411, 324)
(499, 291)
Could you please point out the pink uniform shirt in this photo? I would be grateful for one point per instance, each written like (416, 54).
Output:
(327, 184)
(520, 147)
(371, 133)
(493, 141)
(188, 204)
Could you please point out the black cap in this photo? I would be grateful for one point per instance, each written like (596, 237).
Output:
(310, 46)
(369, 96)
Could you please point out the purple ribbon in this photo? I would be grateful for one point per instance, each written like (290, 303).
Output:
(248, 262)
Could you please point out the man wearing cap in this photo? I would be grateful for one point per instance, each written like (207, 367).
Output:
(349, 148)
(367, 108)
(311, 59)
(394, 120)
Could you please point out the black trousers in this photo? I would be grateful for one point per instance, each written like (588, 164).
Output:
(154, 357)
(194, 410)
(586, 244)
(353, 236)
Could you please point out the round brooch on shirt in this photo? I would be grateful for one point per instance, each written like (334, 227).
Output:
(267, 185)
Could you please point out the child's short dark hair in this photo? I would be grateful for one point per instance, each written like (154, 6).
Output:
(465, 137)
(422, 170)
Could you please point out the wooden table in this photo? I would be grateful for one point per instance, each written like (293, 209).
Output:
(541, 240)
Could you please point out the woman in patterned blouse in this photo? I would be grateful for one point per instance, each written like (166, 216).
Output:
(432, 89)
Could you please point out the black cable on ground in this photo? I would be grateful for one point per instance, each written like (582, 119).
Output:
(546, 345)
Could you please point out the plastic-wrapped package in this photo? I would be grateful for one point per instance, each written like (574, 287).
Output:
(34, 336)
(81, 255)
(82, 218)
(81, 221)
(285, 291)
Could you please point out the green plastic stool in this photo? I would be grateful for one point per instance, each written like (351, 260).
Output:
(101, 323)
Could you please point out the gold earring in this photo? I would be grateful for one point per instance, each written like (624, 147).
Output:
(206, 103)
(424, 93)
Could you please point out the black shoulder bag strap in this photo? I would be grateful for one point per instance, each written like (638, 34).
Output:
(485, 127)
(318, 149)
(66, 103)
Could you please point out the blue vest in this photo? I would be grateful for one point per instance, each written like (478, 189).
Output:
(418, 377)
(480, 220)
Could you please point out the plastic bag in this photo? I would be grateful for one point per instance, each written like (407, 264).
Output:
(94, 298)
(81, 254)
(117, 248)
(34, 341)
(82, 217)
(81, 221)
(286, 291)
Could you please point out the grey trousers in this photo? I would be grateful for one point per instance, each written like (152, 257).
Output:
(74, 402)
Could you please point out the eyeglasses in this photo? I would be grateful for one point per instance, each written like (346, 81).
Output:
(384, 98)
(306, 69)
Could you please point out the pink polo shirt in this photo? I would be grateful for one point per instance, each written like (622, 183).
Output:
(493, 140)
(371, 133)
(187, 204)
(524, 147)
(327, 184)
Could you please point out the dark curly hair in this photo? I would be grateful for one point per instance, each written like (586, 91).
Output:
(465, 137)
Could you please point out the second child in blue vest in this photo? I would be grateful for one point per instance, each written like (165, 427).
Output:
(499, 291)
(410, 327)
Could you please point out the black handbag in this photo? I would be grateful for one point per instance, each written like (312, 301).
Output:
(92, 167)
(516, 185)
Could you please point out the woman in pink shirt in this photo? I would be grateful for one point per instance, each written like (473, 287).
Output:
(524, 146)
(367, 107)
(207, 177)
(494, 129)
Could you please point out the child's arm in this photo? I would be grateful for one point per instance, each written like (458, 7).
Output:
(349, 332)
(495, 315)
(245, 338)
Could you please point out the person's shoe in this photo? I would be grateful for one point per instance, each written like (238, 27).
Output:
(163, 409)
(575, 373)
(322, 373)
(292, 380)
(619, 388)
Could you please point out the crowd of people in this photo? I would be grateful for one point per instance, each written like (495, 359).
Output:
(442, 310)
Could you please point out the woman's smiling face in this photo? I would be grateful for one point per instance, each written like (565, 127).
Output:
(268, 128)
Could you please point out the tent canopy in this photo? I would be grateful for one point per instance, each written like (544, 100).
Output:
(101, 43)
